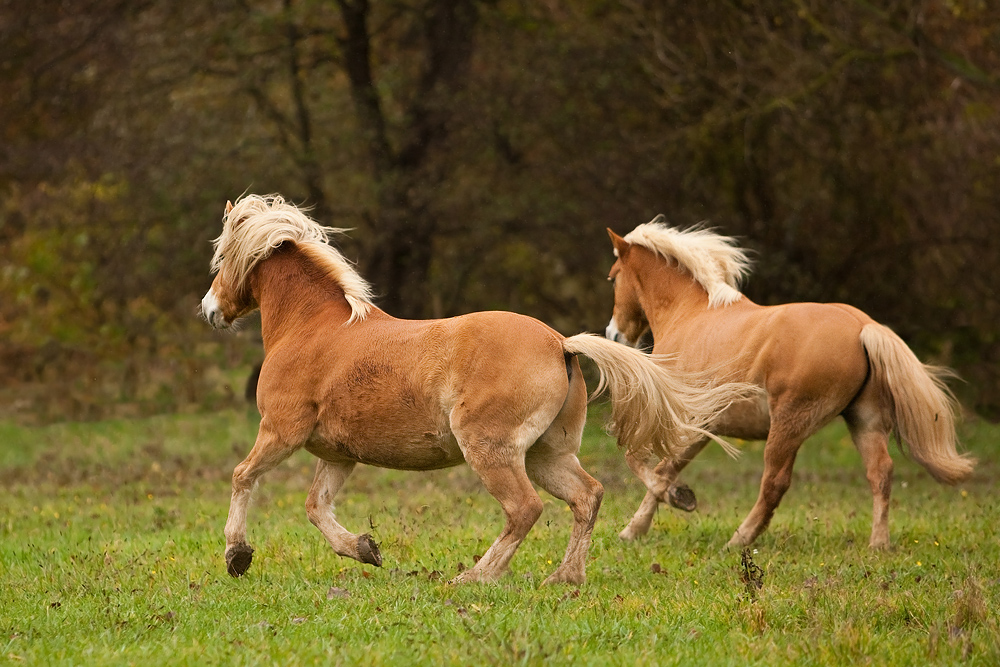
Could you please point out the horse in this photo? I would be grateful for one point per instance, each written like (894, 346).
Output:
(351, 384)
(810, 362)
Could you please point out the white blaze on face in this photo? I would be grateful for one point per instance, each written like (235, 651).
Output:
(212, 312)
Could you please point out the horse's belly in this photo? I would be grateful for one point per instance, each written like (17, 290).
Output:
(748, 420)
(429, 451)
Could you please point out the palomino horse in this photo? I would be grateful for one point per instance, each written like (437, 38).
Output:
(351, 384)
(810, 362)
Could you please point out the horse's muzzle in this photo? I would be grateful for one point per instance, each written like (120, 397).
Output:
(211, 311)
(612, 333)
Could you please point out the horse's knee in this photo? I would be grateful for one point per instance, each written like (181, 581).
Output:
(775, 486)
(588, 505)
(524, 514)
(880, 476)
(598, 490)
(238, 473)
(782, 482)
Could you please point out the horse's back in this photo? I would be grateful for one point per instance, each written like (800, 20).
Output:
(801, 347)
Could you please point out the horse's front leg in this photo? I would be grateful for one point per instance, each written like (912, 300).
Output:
(268, 451)
(782, 445)
(661, 486)
(319, 508)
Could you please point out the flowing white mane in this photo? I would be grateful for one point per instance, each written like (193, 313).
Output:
(713, 260)
(256, 225)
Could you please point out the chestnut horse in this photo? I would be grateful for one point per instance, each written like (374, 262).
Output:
(811, 362)
(351, 384)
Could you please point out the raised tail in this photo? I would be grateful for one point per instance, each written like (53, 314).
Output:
(921, 405)
(653, 408)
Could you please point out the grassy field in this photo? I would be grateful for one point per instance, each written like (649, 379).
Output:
(111, 553)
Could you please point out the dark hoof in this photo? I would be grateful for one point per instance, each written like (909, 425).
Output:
(238, 559)
(368, 551)
(682, 497)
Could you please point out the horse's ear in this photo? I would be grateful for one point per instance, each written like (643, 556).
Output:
(620, 244)
(229, 207)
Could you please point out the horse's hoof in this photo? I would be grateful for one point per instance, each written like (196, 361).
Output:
(238, 558)
(558, 577)
(682, 497)
(627, 535)
(737, 542)
(368, 551)
(465, 577)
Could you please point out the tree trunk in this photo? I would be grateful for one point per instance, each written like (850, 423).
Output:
(400, 253)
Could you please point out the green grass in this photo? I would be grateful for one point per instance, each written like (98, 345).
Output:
(111, 553)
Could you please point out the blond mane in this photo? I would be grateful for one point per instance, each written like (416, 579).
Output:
(256, 226)
(713, 260)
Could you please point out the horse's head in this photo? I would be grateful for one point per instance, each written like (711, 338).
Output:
(229, 298)
(251, 231)
(696, 267)
(628, 320)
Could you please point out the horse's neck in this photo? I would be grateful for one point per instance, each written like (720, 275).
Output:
(292, 293)
(668, 296)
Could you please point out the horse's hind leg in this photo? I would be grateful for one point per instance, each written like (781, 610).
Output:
(659, 482)
(555, 467)
(268, 451)
(495, 428)
(319, 507)
(509, 484)
(871, 437)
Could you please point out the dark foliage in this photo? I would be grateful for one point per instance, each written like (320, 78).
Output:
(478, 149)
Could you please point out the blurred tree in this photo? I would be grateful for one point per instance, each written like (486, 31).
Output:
(399, 64)
(57, 62)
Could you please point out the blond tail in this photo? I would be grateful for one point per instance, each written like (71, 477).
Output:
(921, 405)
(652, 408)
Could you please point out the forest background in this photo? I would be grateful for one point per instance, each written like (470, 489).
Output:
(479, 149)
